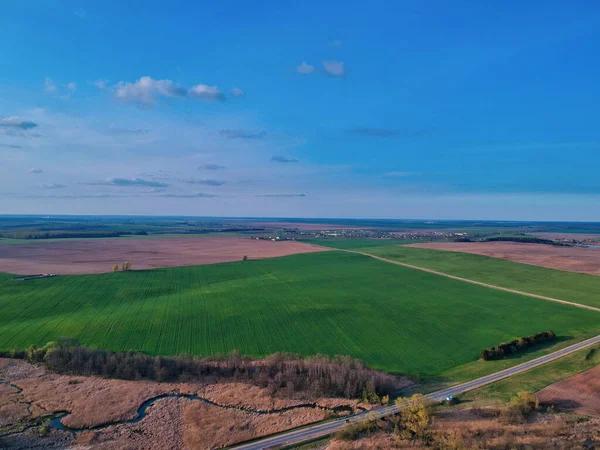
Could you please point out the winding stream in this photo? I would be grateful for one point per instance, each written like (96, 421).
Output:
(142, 411)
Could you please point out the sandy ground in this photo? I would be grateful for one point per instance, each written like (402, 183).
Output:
(573, 259)
(579, 393)
(244, 411)
(99, 255)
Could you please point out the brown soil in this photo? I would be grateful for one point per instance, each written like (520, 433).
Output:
(483, 429)
(573, 259)
(99, 255)
(169, 423)
(579, 393)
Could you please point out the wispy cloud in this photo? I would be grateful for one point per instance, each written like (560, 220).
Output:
(335, 44)
(281, 195)
(284, 159)
(72, 86)
(52, 186)
(207, 182)
(398, 174)
(334, 68)
(11, 146)
(80, 12)
(379, 132)
(34, 170)
(211, 167)
(127, 182)
(207, 93)
(387, 132)
(49, 86)
(237, 92)
(17, 122)
(113, 129)
(197, 195)
(100, 84)
(242, 134)
(305, 68)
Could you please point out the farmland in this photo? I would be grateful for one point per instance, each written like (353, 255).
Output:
(98, 256)
(574, 287)
(572, 259)
(393, 318)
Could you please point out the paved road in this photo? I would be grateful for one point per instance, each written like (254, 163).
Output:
(479, 283)
(325, 429)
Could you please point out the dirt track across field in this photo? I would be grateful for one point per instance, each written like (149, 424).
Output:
(579, 394)
(572, 259)
(98, 255)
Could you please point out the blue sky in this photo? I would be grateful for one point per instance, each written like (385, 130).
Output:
(482, 110)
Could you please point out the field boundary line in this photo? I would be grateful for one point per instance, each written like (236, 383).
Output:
(479, 283)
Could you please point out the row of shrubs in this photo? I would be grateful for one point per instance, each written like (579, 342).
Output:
(517, 345)
(281, 373)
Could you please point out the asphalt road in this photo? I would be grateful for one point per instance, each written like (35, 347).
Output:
(321, 430)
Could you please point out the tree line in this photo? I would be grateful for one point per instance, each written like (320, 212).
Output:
(280, 373)
(70, 234)
(517, 345)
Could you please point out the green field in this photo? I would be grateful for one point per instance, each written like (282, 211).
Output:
(575, 287)
(393, 318)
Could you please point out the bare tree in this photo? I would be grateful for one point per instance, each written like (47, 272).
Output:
(115, 268)
(126, 266)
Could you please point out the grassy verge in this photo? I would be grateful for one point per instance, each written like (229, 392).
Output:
(538, 378)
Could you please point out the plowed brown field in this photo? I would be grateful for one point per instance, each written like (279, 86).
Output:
(573, 259)
(99, 255)
(579, 393)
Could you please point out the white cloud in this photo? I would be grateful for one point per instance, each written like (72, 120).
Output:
(49, 86)
(72, 86)
(100, 84)
(305, 68)
(334, 68)
(237, 92)
(207, 93)
(145, 91)
(34, 170)
(52, 186)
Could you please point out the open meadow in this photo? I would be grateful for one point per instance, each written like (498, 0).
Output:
(393, 318)
(570, 286)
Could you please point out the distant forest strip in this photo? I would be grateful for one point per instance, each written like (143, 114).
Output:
(68, 234)
(517, 345)
(281, 373)
(524, 239)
